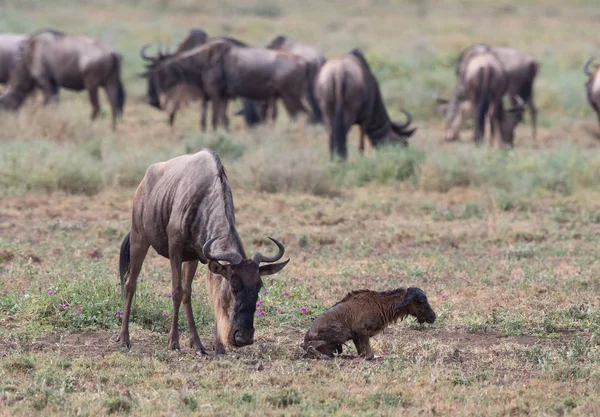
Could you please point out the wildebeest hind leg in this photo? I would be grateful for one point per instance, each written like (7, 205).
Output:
(189, 270)
(138, 250)
(93, 93)
(175, 255)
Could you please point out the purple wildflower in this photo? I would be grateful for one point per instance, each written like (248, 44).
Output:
(169, 295)
(259, 303)
(79, 309)
(119, 314)
(286, 293)
(165, 314)
(50, 292)
(66, 304)
(443, 296)
(262, 313)
(60, 306)
(303, 309)
(280, 311)
(22, 292)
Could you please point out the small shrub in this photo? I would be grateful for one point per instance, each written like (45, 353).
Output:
(284, 398)
(118, 405)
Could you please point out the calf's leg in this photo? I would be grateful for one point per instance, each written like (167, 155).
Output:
(176, 260)
(363, 346)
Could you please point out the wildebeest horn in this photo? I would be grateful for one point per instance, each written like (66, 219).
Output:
(408, 120)
(519, 106)
(259, 257)
(232, 257)
(143, 52)
(586, 69)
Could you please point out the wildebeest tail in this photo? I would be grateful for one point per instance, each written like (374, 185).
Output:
(317, 116)
(124, 261)
(339, 126)
(483, 104)
(250, 112)
(120, 105)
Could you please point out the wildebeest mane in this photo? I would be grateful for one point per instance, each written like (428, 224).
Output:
(221, 178)
(373, 108)
(196, 37)
(233, 41)
(277, 42)
(351, 294)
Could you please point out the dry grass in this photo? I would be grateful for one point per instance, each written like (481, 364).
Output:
(504, 243)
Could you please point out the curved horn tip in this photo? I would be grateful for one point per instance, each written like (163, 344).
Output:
(143, 52)
(259, 257)
(206, 246)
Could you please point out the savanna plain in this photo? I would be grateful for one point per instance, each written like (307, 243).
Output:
(504, 243)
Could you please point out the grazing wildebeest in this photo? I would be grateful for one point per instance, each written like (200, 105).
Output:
(183, 208)
(521, 70)
(348, 94)
(361, 315)
(592, 86)
(50, 59)
(484, 82)
(224, 70)
(9, 50)
(315, 61)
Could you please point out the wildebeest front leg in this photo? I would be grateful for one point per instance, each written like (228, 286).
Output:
(219, 346)
(363, 346)
(176, 260)
(189, 270)
(138, 250)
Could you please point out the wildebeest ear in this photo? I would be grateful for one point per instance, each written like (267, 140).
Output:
(271, 269)
(216, 268)
(410, 294)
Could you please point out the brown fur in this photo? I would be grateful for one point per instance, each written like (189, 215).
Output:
(483, 81)
(315, 61)
(592, 86)
(179, 206)
(225, 71)
(50, 59)
(361, 315)
(348, 94)
(9, 51)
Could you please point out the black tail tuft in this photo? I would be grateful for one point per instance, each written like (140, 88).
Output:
(250, 112)
(317, 116)
(339, 126)
(124, 261)
(120, 105)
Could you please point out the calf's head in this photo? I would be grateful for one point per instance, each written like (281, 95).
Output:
(415, 303)
(239, 297)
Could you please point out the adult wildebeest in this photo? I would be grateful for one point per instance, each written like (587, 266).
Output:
(484, 82)
(348, 94)
(181, 93)
(9, 50)
(521, 70)
(315, 61)
(224, 70)
(50, 59)
(183, 208)
(592, 86)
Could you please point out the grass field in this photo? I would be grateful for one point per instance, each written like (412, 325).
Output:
(504, 243)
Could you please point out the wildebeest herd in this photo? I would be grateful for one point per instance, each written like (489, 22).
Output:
(183, 208)
(339, 92)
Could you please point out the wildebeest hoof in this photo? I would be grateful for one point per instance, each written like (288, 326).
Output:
(373, 357)
(201, 352)
(174, 346)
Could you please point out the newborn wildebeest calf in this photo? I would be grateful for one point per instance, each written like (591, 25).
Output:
(361, 315)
